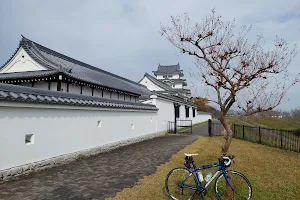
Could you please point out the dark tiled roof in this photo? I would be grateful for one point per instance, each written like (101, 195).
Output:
(79, 70)
(32, 74)
(174, 80)
(158, 82)
(175, 99)
(167, 69)
(9, 92)
(181, 90)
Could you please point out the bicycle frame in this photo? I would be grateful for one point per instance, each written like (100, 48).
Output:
(199, 183)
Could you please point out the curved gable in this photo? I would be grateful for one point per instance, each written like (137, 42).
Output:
(21, 62)
(150, 85)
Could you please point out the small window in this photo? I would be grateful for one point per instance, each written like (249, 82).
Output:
(164, 76)
(187, 112)
(29, 139)
(99, 123)
(170, 76)
(177, 112)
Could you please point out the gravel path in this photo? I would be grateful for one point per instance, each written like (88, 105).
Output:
(97, 177)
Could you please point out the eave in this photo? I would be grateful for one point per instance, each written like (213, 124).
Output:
(54, 76)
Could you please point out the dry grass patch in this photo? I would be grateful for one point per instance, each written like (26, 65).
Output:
(274, 173)
(269, 122)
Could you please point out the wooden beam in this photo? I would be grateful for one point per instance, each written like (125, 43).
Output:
(49, 85)
(92, 91)
(67, 87)
(58, 85)
(81, 89)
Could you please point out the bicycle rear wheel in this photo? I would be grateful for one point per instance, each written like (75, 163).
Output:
(238, 181)
(181, 184)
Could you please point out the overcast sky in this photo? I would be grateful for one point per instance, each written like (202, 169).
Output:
(123, 37)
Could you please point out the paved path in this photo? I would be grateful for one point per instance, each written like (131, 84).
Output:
(97, 177)
(201, 130)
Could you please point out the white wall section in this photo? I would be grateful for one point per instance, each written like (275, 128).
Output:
(60, 130)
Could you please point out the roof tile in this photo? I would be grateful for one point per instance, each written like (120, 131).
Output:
(34, 95)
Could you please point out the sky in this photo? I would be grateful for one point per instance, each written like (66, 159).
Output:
(123, 37)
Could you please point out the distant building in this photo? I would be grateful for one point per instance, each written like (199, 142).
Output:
(173, 76)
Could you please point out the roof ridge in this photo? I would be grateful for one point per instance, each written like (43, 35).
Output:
(146, 74)
(67, 58)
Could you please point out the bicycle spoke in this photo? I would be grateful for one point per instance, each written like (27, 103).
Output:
(178, 189)
(241, 187)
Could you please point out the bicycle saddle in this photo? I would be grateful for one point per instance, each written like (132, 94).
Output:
(191, 154)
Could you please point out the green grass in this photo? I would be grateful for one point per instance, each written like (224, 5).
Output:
(269, 122)
(274, 173)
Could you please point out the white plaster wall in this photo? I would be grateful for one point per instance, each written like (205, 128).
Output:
(150, 85)
(97, 92)
(106, 94)
(201, 117)
(60, 131)
(174, 76)
(114, 95)
(127, 98)
(132, 98)
(75, 89)
(178, 85)
(159, 76)
(86, 90)
(182, 112)
(21, 62)
(165, 113)
(63, 130)
(64, 87)
(53, 86)
(42, 85)
(26, 84)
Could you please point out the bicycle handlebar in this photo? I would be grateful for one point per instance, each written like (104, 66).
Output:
(227, 159)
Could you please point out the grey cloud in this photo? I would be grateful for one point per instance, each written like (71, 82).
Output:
(123, 36)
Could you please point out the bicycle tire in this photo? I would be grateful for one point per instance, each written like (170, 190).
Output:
(192, 179)
(243, 180)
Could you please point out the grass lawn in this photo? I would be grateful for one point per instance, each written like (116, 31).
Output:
(274, 173)
(276, 123)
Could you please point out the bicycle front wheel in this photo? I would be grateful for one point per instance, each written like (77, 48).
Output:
(239, 188)
(181, 184)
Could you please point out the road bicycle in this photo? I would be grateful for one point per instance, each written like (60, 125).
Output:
(184, 183)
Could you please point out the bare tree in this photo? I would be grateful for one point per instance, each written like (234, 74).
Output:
(240, 72)
(296, 113)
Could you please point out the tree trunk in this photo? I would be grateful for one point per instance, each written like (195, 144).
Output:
(228, 134)
(225, 148)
